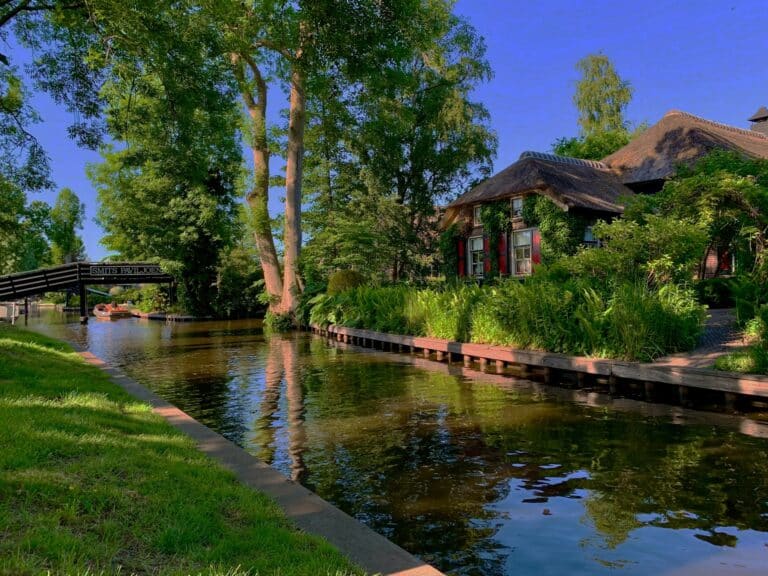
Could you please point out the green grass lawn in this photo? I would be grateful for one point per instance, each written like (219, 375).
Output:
(91, 482)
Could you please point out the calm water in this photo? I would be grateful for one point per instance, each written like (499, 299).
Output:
(472, 476)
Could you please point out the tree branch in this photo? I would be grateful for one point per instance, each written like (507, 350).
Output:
(25, 7)
(269, 45)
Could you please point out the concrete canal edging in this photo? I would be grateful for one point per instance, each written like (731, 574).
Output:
(310, 513)
(652, 378)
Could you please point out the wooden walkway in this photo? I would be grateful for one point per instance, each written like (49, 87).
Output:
(687, 385)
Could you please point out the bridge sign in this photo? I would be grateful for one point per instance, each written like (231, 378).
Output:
(126, 270)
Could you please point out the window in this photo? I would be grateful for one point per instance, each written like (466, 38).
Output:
(476, 217)
(521, 251)
(589, 238)
(517, 207)
(476, 256)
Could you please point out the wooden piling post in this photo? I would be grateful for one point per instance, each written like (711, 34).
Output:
(548, 375)
(467, 361)
(613, 384)
(439, 356)
(425, 351)
(682, 393)
(650, 390)
(483, 364)
(499, 366)
(730, 401)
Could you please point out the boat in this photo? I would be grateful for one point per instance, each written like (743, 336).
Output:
(111, 311)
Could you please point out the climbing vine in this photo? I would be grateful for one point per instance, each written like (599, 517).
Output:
(561, 232)
(495, 219)
(449, 249)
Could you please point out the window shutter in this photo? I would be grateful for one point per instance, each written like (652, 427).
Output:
(462, 257)
(503, 268)
(536, 246)
(486, 255)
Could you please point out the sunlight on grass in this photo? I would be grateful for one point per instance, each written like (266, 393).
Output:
(92, 482)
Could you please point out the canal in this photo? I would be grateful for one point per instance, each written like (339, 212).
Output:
(475, 476)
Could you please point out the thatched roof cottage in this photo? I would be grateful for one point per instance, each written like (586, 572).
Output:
(594, 190)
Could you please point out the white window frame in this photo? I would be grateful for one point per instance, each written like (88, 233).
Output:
(525, 262)
(471, 263)
(477, 219)
(516, 213)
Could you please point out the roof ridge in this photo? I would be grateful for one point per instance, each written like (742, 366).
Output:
(728, 127)
(564, 159)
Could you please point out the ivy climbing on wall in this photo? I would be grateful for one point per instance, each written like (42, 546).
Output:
(449, 251)
(561, 232)
(496, 221)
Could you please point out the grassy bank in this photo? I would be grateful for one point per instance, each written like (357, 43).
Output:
(91, 482)
(626, 321)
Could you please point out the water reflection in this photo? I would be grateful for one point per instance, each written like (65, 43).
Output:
(477, 478)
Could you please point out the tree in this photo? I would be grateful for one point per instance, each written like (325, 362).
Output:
(66, 218)
(24, 169)
(601, 99)
(168, 192)
(304, 43)
(415, 138)
(601, 96)
(727, 195)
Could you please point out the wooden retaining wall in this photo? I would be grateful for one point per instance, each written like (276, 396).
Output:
(651, 381)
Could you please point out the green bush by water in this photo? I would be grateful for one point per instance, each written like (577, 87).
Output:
(575, 316)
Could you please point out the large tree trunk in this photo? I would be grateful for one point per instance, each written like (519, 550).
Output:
(258, 197)
(293, 176)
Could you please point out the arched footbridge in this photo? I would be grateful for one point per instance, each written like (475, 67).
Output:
(79, 275)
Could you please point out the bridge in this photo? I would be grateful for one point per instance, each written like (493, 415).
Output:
(79, 275)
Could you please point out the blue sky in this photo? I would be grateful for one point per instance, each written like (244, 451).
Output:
(705, 57)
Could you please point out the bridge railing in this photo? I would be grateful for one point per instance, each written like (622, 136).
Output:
(58, 278)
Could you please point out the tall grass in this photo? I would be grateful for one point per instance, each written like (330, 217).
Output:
(627, 321)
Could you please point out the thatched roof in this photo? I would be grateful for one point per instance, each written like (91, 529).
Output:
(761, 114)
(569, 182)
(680, 138)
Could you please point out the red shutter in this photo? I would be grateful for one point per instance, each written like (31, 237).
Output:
(486, 255)
(462, 258)
(503, 269)
(536, 246)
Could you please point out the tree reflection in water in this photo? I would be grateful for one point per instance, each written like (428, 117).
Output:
(477, 478)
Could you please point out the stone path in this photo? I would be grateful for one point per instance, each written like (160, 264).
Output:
(720, 337)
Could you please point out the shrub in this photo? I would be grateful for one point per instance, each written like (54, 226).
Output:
(752, 360)
(716, 292)
(277, 323)
(343, 280)
(576, 316)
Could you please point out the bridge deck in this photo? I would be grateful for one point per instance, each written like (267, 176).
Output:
(79, 274)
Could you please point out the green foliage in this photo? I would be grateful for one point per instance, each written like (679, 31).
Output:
(577, 316)
(66, 217)
(595, 146)
(661, 250)
(727, 196)
(87, 468)
(495, 219)
(342, 280)
(449, 251)
(169, 195)
(279, 323)
(240, 284)
(751, 360)
(380, 160)
(601, 96)
(562, 233)
(716, 292)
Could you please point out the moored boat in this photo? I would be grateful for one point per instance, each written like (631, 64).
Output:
(111, 311)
